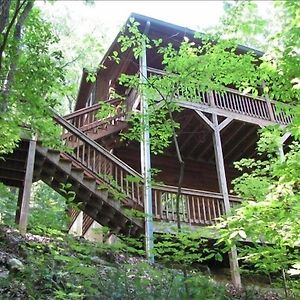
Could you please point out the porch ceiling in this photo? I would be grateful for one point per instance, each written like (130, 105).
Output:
(196, 140)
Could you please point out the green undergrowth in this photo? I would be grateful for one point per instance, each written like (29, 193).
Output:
(59, 266)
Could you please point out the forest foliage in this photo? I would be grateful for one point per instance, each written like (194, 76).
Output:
(33, 78)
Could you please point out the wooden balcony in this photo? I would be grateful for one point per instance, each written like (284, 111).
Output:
(196, 207)
(232, 103)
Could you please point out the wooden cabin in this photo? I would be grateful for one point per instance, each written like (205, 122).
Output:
(233, 117)
(105, 172)
(214, 132)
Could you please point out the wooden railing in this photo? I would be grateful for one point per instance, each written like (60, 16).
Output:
(280, 116)
(111, 170)
(83, 116)
(87, 221)
(233, 101)
(87, 115)
(196, 207)
(73, 214)
(236, 102)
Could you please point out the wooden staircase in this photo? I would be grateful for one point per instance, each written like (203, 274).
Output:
(105, 131)
(58, 170)
(104, 186)
(95, 177)
(13, 166)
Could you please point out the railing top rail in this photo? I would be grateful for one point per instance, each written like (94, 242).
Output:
(88, 109)
(193, 192)
(82, 111)
(101, 122)
(162, 72)
(76, 132)
(156, 71)
(245, 95)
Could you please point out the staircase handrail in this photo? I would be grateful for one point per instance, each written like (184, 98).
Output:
(88, 109)
(76, 132)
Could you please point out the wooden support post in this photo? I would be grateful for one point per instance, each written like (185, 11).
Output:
(23, 221)
(280, 148)
(234, 267)
(269, 105)
(19, 204)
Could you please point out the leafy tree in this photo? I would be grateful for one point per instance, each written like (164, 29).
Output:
(81, 48)
(31, 73)
(8, 205)
(48, 210)
(270, 185)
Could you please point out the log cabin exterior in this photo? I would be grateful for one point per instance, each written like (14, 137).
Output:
(237, 118)
(214, 132)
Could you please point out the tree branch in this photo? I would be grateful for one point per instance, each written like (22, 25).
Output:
(71, 61)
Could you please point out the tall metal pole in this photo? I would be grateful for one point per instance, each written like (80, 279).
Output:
(145, 159)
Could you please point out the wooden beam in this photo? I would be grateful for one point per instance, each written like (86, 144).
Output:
(226, 122)
(226, 113)
(233, 134)
(205, 118)
(233, 261)
(285, 137)
(280, 148)
(269, 104)
(23, 221)
(220, 164)
(221, 126)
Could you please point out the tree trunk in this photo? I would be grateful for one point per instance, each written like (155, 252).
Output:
(13, 66)
(4, 14)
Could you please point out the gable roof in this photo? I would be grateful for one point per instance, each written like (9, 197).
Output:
(157, 28)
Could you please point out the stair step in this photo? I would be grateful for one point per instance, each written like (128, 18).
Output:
(54, 151)
(76, 173)
(42, 150)
(57, 168)
(89, 182)
(61, 176)
(65, 159)
(53, 156)
(66, 164)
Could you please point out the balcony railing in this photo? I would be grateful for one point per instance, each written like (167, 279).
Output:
(233, 101)
(196, 207)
